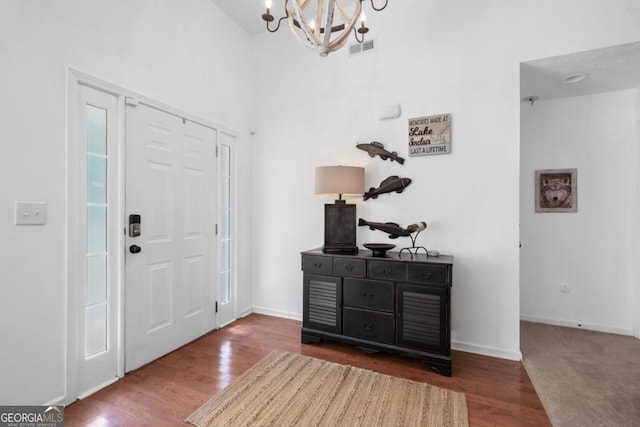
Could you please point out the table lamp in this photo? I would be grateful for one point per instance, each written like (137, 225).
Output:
(340, 217)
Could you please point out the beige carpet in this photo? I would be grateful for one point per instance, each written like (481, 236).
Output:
(286, 389)
(583, 378)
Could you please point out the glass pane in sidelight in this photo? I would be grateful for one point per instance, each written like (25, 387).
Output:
(96, 130)
(96, 279)
(225, 196)
(225, 236)
(95, 329)
(225, 287)
(96, 179)
(96, 229)
(225, 161)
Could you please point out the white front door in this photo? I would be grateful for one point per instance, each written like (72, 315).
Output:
(171, 268)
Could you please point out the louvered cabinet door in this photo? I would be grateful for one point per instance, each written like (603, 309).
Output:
(422, 318)
(322, 308)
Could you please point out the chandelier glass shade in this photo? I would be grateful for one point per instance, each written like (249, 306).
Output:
(323, 25)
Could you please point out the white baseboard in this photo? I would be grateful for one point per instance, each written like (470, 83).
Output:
(277, 313)
(576, 324)
(245, 312)
(58, 401)
(500, 353)
(92, 390)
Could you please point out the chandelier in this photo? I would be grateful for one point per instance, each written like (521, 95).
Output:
(322, 25)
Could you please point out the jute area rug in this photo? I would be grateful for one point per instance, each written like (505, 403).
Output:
(286, 389)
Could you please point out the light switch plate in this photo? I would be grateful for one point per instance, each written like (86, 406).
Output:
(31, 213)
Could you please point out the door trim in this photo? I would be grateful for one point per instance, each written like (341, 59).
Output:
(74, 78)
(73, 246)
(227, 138)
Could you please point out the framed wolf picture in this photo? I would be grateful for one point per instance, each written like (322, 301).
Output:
(557, 190)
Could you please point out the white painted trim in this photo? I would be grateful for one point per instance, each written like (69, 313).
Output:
(98, 388)
(116, 89)
(245, 312)
(576, 324)
(636, 231)
(500, 353)
(225, 324)
(121, 224)
(277, 313)
(58, 401)
(73, 243)
(71, 122)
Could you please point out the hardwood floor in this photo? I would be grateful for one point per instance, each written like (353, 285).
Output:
(163, 393)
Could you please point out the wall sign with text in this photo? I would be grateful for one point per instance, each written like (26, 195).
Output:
(430, 135)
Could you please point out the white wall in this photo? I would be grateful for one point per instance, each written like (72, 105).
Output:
(594, 250)
(174, 52)
(434, 57)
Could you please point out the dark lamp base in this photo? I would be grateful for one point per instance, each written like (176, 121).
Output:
(340, 249)
(340, 229)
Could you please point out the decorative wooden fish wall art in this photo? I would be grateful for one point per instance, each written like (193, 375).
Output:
(391, 228)
(377, 149)
(390, 184)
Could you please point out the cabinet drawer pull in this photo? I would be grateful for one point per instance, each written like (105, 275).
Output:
(368, 294)
(387, 270)
(349, 267)
(427, 275)
(317, 264)
(366, 325)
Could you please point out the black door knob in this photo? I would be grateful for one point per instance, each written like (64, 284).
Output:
(135, 249)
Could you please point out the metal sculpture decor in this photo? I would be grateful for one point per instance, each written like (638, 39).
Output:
(417, 229)
(394, 231)
(391, 228)
(324, 27)
(389, 185)
(377, 149)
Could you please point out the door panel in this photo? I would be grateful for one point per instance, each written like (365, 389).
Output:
(171, 183)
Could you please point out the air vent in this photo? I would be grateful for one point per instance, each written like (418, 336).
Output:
(366, 46)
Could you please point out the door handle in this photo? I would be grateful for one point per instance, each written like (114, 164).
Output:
(135, 249)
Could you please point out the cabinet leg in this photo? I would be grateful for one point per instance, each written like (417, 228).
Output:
(367, 350)
(309, 339)
(440, 368)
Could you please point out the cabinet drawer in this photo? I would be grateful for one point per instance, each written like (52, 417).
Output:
(368, 294)
(387, 270)
(349, 267)
(368, 325)
(428, 273)
(316, 264)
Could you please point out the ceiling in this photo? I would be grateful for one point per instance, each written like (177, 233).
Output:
(247, 13)
(609, 69)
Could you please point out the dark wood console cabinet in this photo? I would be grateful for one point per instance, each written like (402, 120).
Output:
(392, 304)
